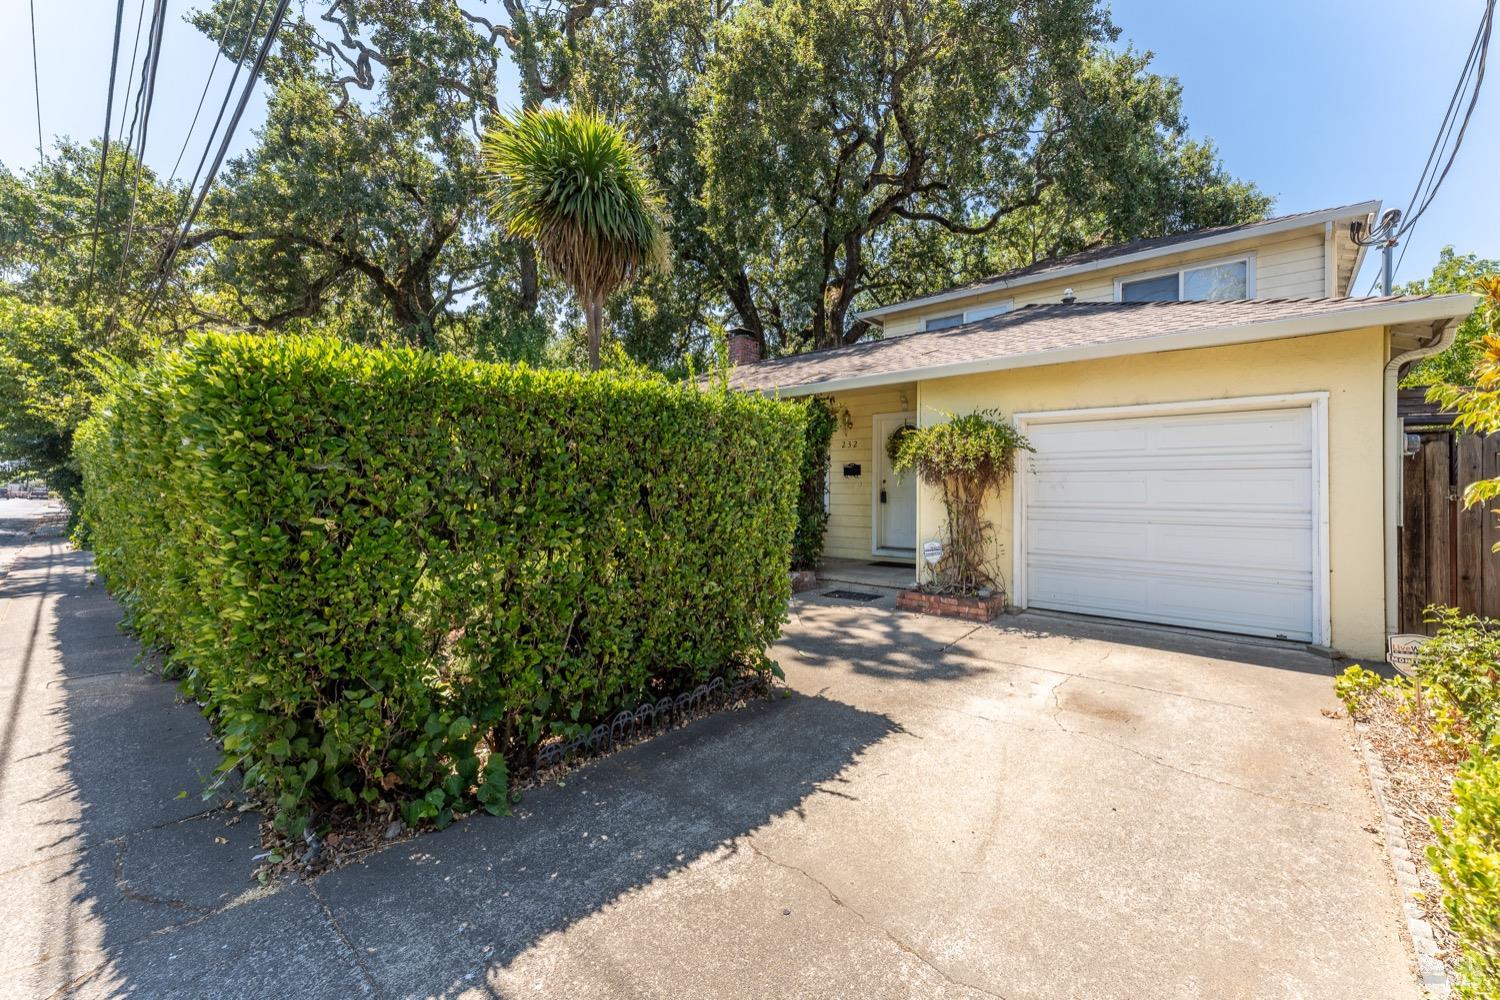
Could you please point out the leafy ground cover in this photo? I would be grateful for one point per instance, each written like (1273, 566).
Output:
(1438, 735)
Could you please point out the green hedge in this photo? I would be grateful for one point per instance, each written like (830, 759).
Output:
(1466, 858)
(374, 568)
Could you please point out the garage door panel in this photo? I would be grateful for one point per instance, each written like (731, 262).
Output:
(1263, 487)
(1195, 519)
(1092, 490)
(1209, 434)
(1214, 433)
(1204, 602)
(1103, 538)
(1284, 549)
(1090, 438)
(1236, 489)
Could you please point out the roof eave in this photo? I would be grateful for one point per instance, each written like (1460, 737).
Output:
(1444, 307)
(1311, 220)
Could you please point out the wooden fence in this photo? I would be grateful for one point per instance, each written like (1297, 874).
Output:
(1446, 552)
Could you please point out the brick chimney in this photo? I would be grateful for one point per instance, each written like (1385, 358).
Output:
(744, 347)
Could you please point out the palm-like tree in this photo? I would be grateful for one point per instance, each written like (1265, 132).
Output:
(571, 183)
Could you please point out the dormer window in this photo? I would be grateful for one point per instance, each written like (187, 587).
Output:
(943, 322)
(1222, 279)
(974, 315)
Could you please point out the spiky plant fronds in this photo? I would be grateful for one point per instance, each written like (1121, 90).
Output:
(574, 185)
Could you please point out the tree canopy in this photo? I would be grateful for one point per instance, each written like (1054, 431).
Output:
(822, 157)
(813, 159)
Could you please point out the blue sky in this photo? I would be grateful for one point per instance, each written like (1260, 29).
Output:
(1320, 103)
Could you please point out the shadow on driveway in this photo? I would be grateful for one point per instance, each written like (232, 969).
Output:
(118, 885)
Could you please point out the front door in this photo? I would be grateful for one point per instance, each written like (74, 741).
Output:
(895, 496)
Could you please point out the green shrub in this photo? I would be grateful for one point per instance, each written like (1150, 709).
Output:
(1466, 858)
(812, 516)
(386, 574)
(1463, 661)
(1355, 687)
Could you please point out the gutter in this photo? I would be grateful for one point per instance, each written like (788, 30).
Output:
(1394, 441)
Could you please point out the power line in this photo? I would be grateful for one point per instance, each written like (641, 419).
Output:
(234, 121)
(1454, 127)
(239, 64)
(1482, 44)
(36, 86)
(135, 52)
(212, 69)
(109, 109)
(144, 100)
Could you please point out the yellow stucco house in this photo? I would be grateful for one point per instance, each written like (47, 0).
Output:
(1214, 419)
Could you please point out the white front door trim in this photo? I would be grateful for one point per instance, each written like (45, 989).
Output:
(1317, 402)
(877, 465)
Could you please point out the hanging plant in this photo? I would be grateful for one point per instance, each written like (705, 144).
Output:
(893, 443)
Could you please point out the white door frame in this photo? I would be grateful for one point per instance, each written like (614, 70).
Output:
(1317, 402)
(876, 458)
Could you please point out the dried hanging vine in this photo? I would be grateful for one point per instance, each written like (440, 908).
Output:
(966, 458)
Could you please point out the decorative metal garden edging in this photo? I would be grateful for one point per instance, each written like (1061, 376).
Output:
(650, 719)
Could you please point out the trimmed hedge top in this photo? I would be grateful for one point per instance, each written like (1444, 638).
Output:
(385, 573)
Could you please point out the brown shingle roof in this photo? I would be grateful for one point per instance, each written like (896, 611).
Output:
(1042, 330)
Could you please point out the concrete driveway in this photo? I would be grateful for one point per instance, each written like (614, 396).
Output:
(1040, 809)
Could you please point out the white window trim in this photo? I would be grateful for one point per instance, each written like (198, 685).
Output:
(962, 319)
(1322, 616)
(971, 315)
(1247, 258)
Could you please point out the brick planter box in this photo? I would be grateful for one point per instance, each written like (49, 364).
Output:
(974, 609)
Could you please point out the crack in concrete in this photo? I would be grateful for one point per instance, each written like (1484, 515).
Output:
(124, 888)
(359, 962)
(1056, 716)
(901, 945)
(77, 981)
(960, 639)
(115, 841)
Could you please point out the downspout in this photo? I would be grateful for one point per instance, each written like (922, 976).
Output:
(1394, 445)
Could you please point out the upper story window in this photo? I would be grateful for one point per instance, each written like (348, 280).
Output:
(943, 322)
(949, 320)
(1222, 279)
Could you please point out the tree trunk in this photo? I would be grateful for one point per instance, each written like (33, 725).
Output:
(530, 280)
(595, 310)
(737, 289)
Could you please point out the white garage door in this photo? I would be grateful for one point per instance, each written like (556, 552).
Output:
(1207, 520)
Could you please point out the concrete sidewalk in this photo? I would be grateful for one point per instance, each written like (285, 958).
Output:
(1048, 809)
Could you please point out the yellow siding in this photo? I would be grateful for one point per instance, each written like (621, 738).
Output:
(850, 499)
(1348, 366)
(1287, 266)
